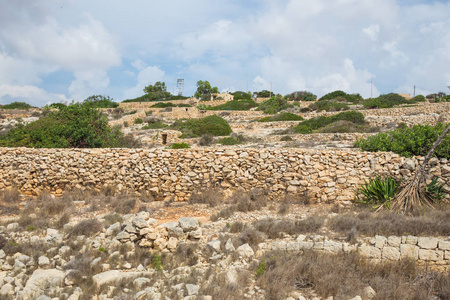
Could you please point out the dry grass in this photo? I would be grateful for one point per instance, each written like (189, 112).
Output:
(388, 223)
(344, 276)
(212, 197)
(86, 227)
(10, 196)
(275, 228)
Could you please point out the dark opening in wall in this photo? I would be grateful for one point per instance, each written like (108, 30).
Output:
(164, 138)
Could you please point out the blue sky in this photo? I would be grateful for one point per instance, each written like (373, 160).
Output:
(59, 50)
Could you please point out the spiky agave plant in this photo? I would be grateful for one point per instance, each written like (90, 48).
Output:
(379, 190)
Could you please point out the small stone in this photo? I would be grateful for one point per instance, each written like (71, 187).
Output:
(229, 245)
(192, 289)
(127, 266)
(427, 242)
(369, 292)
(43, 261)
(245, 251)
(214, 245)
(188, 224)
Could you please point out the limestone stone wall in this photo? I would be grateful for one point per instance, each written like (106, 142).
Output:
(325, 175)
(431, 250)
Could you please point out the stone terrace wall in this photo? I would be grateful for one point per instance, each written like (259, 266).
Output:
(327, 175)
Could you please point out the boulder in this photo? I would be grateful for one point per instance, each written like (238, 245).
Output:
(188, 224)
(43, 280)
(245, 251)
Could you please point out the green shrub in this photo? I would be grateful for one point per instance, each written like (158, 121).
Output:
(340, 94)
(242, 95)
(138, 121)
(379, 190)
(16, 105)
(98, 101)
(408, 142)
(261, 268)
(75, 126)
(169, 104)
(418, 98)
(156, 262)
(180, 146)
(327, 105)
(228, 141)
(346, 127)
(206, 140)
(286, 138)
(213, 125)
(386, 101)
(310, 125)
(233, 105)
(301, 96)
(284, 116)
(274, 105)
(57, 105)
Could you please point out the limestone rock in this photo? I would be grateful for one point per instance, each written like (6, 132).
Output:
(188, 224)
(43, 280)
(245, 251)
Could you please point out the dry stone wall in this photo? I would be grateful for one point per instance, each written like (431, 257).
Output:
(325, 175)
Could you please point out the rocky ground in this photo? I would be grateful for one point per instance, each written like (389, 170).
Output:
(102, 245)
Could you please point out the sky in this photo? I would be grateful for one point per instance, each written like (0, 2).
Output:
(63, 50)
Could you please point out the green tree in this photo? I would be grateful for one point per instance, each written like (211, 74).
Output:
(99, 101)
(204, 90)
(156, 92)
(75, 126)
(158, 87)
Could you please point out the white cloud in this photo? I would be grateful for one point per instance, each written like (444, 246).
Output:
(31, 94)
(148, 75)
(372, 31)
(139, 64)
(88, 83)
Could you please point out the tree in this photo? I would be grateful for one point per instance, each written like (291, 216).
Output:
(204, 90)
(413, 197)
(99, 101)
(156, 92)
(75, 126)
(263, 94)
(158, 87)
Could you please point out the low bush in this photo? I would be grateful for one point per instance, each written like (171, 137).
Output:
(386, 101)
(169, 104)
(408, 142)
(138, 121)
(286, 138)
(11, 196)
(274, 105)
(284, 116)
(179, 146)
(346, 127)
(244, 104)
(343, 96)
(301, 96)
(241, 95)
(16, 105)
(418, 98)
(211, 196)
(87, 227)
(77, 126)
(310, 125)
(228, 141)
(275, 228)
(98, 101)
(213, 125)
(206, 140)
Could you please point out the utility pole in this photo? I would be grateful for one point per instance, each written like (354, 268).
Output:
(371, 82)
(173, 85)
(414, 91)
(270, 89)
(247, 84)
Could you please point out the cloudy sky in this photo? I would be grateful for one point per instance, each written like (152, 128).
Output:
(59, 50)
